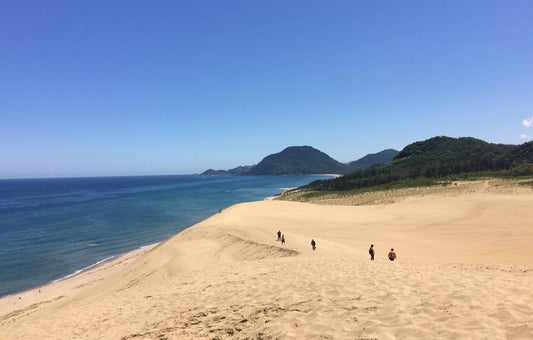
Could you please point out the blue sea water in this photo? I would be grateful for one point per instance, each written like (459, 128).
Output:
(52, 228)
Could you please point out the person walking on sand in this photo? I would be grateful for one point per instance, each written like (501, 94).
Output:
(392, 254)
(282, 239)
(371, 252)
(313, 244)
(279, 235)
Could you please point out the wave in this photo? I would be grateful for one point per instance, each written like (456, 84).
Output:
(77, 272)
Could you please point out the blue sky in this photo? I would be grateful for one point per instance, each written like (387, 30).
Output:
(155, 87)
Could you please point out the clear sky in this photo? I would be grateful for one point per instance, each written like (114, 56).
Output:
(156, 87)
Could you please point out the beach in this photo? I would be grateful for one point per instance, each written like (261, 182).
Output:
(464, 270)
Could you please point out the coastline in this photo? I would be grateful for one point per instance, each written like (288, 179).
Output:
(463, 270)
(67, 285)
(286, 191)
(94, 227)
(58, 288)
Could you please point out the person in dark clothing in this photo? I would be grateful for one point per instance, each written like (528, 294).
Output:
(392, 254)
(279, 235)
(371, 252)
(313, 244)
(282, 239)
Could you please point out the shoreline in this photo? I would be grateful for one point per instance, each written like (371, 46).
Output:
(34, 292)
(69, 276)
(88, 268)
(462, 270)
(31, 263)
(286, 191)
(60, 287)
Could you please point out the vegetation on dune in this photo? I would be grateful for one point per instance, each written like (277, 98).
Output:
(437, 159)
(527, 183)
(306, 194)
(399, 191)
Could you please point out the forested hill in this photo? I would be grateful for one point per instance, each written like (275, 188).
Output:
(367, 161)
(440, 157)
(238, 171)
(301, 160)
(298, 160)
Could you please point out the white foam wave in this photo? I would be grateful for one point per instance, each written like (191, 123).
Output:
(77, 272)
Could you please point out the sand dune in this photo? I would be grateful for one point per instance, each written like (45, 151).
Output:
(464, 270)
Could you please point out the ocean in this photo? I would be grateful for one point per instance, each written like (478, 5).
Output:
(53, 228)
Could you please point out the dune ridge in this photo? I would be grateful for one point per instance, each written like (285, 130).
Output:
(464, 270)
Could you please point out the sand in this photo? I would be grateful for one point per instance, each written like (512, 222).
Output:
(464, 271)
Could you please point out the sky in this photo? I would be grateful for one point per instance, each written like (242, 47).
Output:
(98, 88)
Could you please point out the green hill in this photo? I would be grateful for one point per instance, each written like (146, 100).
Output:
(369, 160)
(238, 171)
(301, 160)
(298, 160)
(440, 157)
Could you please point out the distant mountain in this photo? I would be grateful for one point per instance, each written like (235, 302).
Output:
(298, 160)
(213, 172)
(301, 160)
(238, 171)
(440, 157)
(369, 160)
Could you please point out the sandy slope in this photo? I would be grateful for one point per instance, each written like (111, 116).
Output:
(464, 270)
